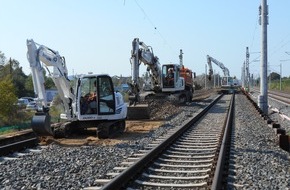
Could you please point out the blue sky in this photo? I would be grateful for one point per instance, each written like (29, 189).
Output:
(96, 35)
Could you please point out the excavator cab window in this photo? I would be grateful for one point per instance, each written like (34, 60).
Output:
(106, 95)
(97, 96)
(227, 81)
(224, 81)
(88, 99)
(168, 75)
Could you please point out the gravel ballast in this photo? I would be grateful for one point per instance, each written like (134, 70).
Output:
(57, 167)
(257, 161)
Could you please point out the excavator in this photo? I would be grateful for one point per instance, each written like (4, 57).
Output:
(91, 103)
(169, 81)
(228, 84)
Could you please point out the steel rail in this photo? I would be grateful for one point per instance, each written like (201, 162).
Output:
(18, 146)
(123, 178)
(280, 96)
(16, 136)
(219, 171)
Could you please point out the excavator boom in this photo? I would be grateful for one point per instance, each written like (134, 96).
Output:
(227, 82)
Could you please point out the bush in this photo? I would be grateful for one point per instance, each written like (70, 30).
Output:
(8, 101)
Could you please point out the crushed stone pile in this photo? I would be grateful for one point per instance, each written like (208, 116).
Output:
(162, 109)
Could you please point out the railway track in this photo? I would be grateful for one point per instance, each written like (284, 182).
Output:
(254, 157)
(277, 96)
(17, 142)
(281, 97)
(192, 155)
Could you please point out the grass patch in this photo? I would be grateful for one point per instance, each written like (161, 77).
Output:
(275, 85)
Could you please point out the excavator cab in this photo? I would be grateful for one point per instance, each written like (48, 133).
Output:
(168, 76)
(97, 96)
(228, 85)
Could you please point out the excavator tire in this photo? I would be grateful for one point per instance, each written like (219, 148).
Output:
(111, 129)
(182, 99)
(140, 111)
(40, 124)
(103, 134)
(120, 126)
(63, 130)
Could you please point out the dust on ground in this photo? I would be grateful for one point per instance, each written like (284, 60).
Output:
(134, 129)
(159, 112)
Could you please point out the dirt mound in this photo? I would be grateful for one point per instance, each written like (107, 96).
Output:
(162, 109)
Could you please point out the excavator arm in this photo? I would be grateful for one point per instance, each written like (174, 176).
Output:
(36, 55)
(221, 65)
(141, 53)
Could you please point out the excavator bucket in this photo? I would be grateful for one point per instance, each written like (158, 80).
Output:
(139, 111)
(40, 124)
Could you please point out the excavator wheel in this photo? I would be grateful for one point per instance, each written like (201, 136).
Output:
(111, 129)
(182, 99)
(103, 133)
(122, 126)
(63, 130)
(40, 124)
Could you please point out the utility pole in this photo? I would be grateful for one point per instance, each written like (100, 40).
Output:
(247, 70)
(280, 76)
(263, 97)
(181, 58)
(270, 75)
(205, 77)
(243, 75)
(213, 78)
(218, 82)
(281, 71)
(252, 80)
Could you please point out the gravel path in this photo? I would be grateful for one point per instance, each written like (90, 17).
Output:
(257, 161)
(56, 167)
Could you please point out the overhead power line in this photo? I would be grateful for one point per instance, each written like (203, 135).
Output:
(153, 25)
(146, 15)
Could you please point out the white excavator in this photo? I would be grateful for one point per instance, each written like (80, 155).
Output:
(91, 103)
(173, 81)
(228, 84)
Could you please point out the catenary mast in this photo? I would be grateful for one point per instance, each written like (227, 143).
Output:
(263, 97)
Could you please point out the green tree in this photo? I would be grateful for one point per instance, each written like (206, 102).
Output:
(2, 64)
(274, 76)
(29, 86)
(2, 58)
(18, 77)
(49, 84)
(7, 101)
